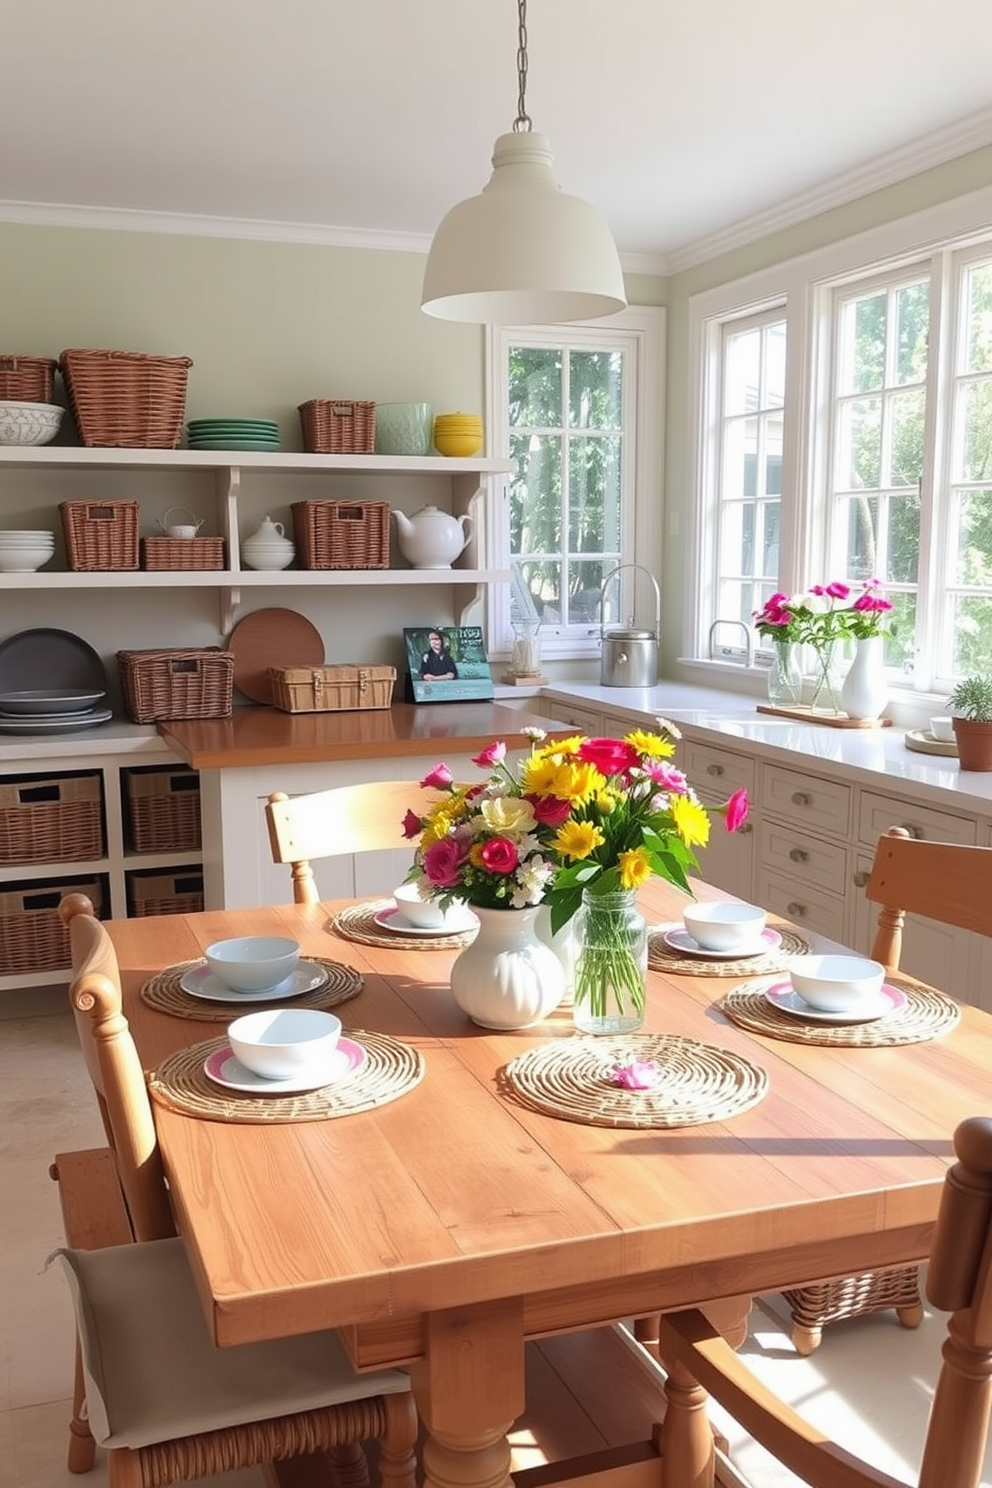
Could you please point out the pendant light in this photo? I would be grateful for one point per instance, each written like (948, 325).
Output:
(522, 252)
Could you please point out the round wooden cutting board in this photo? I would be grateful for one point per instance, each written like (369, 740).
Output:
(271, 638)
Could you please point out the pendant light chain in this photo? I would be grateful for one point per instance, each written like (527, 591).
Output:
(523, 121)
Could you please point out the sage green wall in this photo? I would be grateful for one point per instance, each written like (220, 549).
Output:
(930, 188)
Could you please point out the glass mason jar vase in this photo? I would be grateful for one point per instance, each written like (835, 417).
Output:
(611, 963)
(785, 678)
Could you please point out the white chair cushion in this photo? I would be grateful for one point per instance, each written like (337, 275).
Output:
(152, 1372)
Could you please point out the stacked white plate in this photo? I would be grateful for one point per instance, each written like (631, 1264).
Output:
(23, 551)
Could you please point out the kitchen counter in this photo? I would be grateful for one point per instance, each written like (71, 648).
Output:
(267, 736)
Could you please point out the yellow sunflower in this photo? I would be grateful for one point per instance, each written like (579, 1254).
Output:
(635, 867)
(576, 839)
(650, 744)
(691, 821)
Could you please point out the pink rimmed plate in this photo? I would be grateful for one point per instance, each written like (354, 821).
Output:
(677, 938)
(783, 995)
(225, 1069)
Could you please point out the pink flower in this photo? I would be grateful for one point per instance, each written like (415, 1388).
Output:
(439, 778)
(411, 824)
(666, 775)
(499, 855)
(736, 810)
(493, 754)
(610, 756)
(872, 604)
(639, 1074)
(836, 590)
(550, 811)
(442, 861)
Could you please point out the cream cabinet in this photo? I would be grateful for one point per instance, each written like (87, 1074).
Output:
(727, 860)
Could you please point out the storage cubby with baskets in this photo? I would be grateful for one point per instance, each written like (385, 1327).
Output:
(32, 936)
(161, 809)
(51, 818)
(154, 892)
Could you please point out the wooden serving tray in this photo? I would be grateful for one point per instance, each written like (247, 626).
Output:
(831, 720)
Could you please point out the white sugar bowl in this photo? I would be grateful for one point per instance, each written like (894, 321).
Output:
(269, 547)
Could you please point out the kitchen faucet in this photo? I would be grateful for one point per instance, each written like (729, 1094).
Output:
(748, 640)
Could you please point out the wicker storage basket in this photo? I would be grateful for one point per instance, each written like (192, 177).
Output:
(177, 684)
(163, 809)
(342, 534)
(32, 937)
(194, 553)
(126, 399)
(336, 427)
(51, 819)
(177, 892)
(815, 1305)
(27, 379)
(331, 689)
(100, 535)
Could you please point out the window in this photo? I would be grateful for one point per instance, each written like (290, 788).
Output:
(580, 413)
(844, 431)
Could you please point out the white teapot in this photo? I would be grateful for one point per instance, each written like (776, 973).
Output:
(431, 538)
(269, 547)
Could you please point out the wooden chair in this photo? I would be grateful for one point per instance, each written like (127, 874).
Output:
(959, 1281)
(164, 1401)
(951, 884)
(332, 823)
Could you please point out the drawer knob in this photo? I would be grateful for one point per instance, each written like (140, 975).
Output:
(798, 855)
(915, 832)
(797, 911)
(715, 770)
(861, 878)
(745, 830)
(802, 798)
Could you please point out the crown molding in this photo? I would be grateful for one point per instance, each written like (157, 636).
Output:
(972, 133)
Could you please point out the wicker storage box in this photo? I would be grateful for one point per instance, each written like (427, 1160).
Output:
(342, 534)
(177, 683)
(100, 535)
(337, 427)
(51, 819)
(177, 892)
(163, 809)
(126, 399)
(32, 937)
(194, 553)
(332, 689)
(27, 379)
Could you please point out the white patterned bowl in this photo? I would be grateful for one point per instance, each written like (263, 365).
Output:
(403, 428)
(29, 423)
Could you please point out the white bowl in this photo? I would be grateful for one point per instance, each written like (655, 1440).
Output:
(836, 984)
(253, 963)
(24, 560)
(29, 423)
(943, 729)
(424, 913)
(725, 927)
(279, 1043)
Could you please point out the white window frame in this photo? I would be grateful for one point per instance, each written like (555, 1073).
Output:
(640, 332)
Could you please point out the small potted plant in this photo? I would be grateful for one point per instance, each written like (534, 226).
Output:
(971, 715)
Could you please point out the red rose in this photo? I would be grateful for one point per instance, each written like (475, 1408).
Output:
(610, 756)
(499, 855)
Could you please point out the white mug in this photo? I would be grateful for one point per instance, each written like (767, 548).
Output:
(943, 729)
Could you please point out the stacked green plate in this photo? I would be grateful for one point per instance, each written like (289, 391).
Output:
(232, 433)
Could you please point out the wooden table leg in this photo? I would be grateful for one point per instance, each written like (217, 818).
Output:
(469, 1390)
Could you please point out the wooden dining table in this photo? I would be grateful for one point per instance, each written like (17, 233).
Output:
(445, 1228)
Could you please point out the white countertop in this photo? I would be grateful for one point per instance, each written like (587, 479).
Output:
(872, 755)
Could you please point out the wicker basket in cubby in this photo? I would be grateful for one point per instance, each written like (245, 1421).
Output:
(100, 536)
(51, 818)
(163, 809)
(335, 426)
(176, 683)
(126, 399)
(32, 936)
(195, 554)
(179, 891)
(341, 534)
(27, 379)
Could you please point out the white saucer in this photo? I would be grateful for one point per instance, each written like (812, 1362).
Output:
(200, 982)
(782, 995)
(678, 939)
(458, 921)
(224, 1069)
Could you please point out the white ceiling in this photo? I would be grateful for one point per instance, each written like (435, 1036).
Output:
(679, 119)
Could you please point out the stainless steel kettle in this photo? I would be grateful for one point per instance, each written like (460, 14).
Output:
(629, 654)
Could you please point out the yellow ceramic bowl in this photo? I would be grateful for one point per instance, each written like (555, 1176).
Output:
(457, 445)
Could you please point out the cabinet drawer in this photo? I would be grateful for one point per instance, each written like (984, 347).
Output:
(714, 772)
(809, 860)
(584, 719)
(806, 801)
(808, 907)
(876, 814)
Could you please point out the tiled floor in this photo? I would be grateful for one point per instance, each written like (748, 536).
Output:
(870, 1382)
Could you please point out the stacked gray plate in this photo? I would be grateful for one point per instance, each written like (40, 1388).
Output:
(51, 710)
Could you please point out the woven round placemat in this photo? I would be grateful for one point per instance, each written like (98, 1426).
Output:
(390, 1071)
(163, 993)
(357, 922)
(927, 1013)
(573, 1079)
(662, 958)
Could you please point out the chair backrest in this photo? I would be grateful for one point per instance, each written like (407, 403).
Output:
(332, 823)
(959, 1281)
(945, 881)
(114, 1066)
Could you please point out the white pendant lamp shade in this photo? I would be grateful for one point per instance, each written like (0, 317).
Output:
(522, 252)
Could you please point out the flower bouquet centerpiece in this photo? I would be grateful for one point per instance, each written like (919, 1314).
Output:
(579, 825)
(820, 618)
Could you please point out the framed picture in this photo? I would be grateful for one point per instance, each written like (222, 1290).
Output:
(447, 663)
